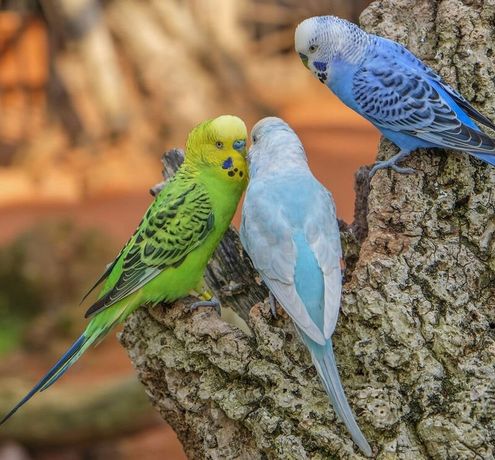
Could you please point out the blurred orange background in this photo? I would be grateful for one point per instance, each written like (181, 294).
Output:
(91, 94)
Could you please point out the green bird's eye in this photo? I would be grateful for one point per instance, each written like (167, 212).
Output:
(219, 145)
(313, 48)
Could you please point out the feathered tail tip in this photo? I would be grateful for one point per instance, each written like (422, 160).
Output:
(324, 361)
(62, 365)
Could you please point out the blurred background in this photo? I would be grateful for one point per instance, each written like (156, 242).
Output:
(92, 92)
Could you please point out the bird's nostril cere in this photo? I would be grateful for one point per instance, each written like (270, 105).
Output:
(239, 144)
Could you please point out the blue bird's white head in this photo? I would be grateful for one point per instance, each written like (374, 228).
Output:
(275, 148)
(321, 41)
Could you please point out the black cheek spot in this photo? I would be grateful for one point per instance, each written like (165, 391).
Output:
(236, 169)
(241, 173)
(231, 173)
(322, 76)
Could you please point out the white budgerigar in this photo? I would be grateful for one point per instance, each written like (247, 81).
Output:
(289, 229)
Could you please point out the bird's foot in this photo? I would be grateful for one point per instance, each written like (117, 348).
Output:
(392, 165)
(273, 305)
(212, 303)
(207, 299)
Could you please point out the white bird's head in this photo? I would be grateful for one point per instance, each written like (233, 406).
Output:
(274, 147)
(321, 41)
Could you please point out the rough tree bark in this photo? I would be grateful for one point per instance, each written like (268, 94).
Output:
(415, 339)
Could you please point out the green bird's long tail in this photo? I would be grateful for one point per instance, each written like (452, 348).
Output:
(60, 368)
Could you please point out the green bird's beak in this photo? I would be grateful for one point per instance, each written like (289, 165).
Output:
(304, 60)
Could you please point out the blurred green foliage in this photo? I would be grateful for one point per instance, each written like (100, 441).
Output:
(42, 273)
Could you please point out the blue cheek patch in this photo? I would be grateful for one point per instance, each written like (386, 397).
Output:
(227, 164)
(321, 66)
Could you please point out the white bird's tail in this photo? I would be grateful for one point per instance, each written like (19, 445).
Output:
(324, 361)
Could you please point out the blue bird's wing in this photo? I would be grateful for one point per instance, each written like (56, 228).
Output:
(396, 95)
(466, 106)
(268, 239)
(408, 59)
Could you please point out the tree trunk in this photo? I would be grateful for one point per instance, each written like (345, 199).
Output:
(415, 338)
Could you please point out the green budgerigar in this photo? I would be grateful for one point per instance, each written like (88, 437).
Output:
(166, 257)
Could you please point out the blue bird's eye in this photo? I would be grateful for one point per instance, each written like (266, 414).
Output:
(313, 48)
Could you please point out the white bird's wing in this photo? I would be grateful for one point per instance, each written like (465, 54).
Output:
(267, 237)
(323, 236)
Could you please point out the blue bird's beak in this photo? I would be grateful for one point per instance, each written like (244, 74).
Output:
(304, 60)
(239, 145)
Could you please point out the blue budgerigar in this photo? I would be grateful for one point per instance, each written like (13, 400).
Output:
(389, 86)
(290, 231)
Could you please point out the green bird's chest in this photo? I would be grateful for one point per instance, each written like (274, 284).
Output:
(224, 194)
(224, 198)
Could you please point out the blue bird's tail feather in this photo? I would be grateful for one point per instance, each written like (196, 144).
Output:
(490, 159)
(324, 361)
(59, 369)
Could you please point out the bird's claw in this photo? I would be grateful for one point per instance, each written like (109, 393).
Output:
(273, 305)
(212, 303)
(390, 164)
(403, 170)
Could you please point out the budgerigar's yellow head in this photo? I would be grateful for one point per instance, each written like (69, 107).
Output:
(219, 144)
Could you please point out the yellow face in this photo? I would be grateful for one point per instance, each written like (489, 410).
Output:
(220, 144)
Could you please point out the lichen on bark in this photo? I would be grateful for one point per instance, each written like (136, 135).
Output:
(415, 338)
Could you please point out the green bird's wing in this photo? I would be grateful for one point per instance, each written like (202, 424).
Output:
(177, 222)
(104, 276)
